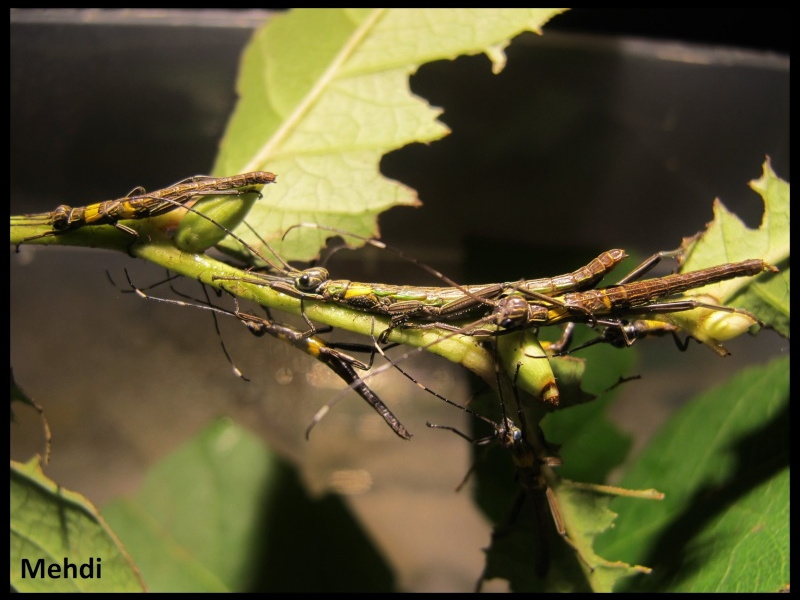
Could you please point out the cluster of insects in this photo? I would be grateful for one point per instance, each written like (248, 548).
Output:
(492, 314)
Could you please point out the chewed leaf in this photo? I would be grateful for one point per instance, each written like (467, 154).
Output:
(324, 94)
(728, 239)
(586, 514)
(533, 557)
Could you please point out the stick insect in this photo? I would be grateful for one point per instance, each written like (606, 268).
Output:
(606, 307)
(423, 307)
(406, 303)
(539, 488)
(523, 304)
(526, 305)
(140, 204)
(533, 459)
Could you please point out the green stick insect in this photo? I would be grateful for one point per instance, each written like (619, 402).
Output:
(406, 303)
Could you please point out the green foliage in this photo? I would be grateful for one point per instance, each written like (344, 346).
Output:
(231, 532)
(321, 113)
(49, 523)
(723, 463)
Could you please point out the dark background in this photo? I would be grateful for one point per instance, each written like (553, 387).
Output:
(755, 28)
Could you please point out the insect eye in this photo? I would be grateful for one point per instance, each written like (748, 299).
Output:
(311, 279)
(302, 281)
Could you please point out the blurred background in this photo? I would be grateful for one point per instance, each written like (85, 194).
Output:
(614, 129)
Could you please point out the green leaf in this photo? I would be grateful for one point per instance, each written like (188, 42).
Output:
(728, 239)
(321, 111)
(532, 557)
(224, 513)
(57, 526)
(723, 463)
